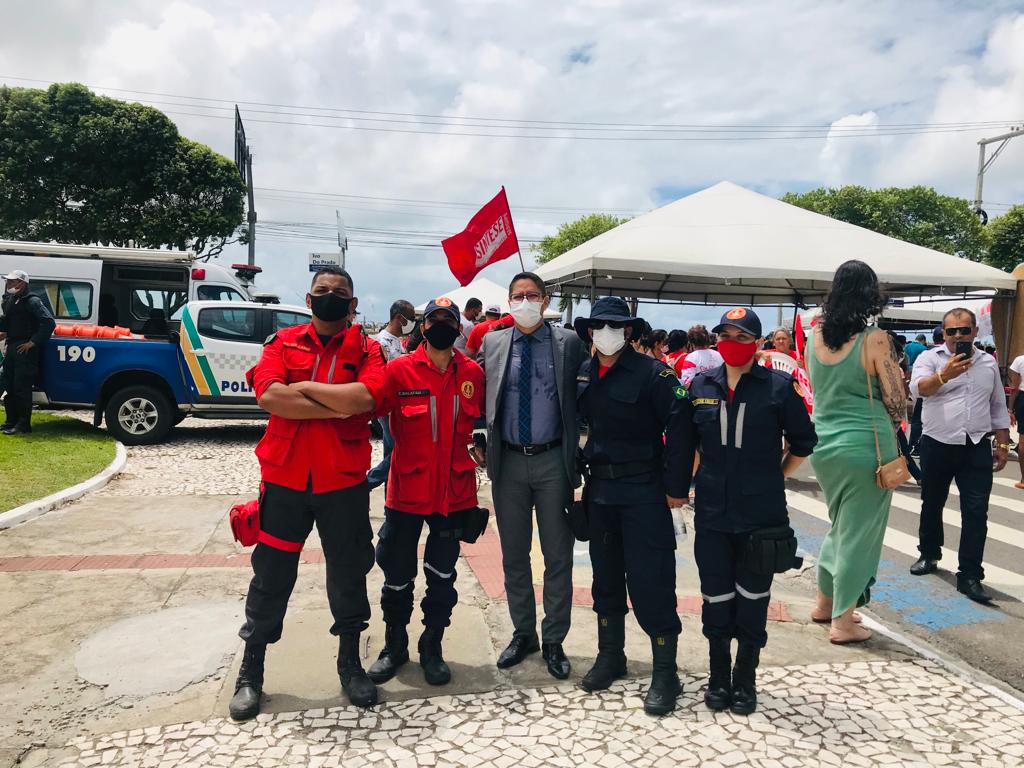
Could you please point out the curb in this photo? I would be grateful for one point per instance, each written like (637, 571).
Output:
(40, 507)
(957, 667)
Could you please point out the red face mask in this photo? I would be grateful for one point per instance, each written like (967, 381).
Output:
(735, 353)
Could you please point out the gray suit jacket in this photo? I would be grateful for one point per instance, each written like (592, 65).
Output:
(568, 353)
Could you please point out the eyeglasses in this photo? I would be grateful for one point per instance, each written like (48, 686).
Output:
(531, 296)
(616, 324)
(961, 330)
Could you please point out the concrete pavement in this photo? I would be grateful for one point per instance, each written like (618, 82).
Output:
(119, 615)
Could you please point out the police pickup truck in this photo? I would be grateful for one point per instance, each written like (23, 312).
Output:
(144, 385)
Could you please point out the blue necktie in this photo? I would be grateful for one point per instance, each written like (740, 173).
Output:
(525, 376)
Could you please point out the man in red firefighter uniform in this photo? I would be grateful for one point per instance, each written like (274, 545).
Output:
(434, 396)
(319, 382)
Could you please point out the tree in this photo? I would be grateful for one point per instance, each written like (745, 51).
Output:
(570, 235)
(917, 215)
(80, 168)
(1007, 235)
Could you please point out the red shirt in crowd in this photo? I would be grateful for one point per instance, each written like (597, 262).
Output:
(432, 418)
(476, 336)
(332, 454)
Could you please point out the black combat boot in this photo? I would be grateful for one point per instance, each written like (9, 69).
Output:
(435, 670)
(394, 655)
(357, 686)
(245, 704)
(744, 691)
(665, 685)
(610, 664)
(718, 696)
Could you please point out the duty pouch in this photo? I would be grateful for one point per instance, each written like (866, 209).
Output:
(474, 524)
(771, 550)
(245, 522)
(245, 527)
(578, 512)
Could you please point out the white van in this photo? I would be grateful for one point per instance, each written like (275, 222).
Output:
(129, 287)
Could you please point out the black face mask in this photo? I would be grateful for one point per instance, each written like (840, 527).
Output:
(329, 307)
(441, 335)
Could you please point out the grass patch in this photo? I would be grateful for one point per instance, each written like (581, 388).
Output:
(60, 452)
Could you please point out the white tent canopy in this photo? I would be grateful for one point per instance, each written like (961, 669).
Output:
(730, 245)
(487, 291)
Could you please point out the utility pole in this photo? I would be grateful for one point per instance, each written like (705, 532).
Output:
(983, 164)
(342, 237)
(243, 161)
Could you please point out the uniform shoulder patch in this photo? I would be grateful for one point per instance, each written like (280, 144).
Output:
(270, 339)
(666, 372)
(681, 392)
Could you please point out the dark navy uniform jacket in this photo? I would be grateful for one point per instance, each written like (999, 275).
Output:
(635, 414)
(739, 485)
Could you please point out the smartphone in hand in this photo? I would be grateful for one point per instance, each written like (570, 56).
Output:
(964, 348)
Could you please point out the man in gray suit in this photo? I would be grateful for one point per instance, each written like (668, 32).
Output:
(532, 438)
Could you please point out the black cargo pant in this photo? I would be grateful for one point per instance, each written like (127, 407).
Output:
(632, 549)
(343, 520)
(19, 374)
(396, 555)
(735, 598)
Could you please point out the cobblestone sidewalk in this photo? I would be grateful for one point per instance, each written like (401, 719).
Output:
(901, 713)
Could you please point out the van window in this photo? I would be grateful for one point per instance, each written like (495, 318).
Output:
(287, 319)
(144, 300)
(65, 300)
(210, 292)
(230, 324)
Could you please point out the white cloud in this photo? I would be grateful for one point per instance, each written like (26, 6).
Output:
(798, 62)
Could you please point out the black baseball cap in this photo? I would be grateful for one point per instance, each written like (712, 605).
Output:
(741, 317)
(444, 304)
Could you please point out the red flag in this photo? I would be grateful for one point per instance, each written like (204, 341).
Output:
(489, 237)
(798, 336)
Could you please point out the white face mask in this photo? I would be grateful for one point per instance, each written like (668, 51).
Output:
(407, 326)
(526, 313)
(609, 340)
(12, 290)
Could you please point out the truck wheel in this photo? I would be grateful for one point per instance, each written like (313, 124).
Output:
(139, 415)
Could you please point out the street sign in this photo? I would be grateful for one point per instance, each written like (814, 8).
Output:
(318, 261)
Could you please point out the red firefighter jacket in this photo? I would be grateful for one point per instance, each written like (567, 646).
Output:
(331, 453)
(432, 418)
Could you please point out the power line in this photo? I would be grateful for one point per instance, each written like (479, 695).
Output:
(749, 132)
(563, 123)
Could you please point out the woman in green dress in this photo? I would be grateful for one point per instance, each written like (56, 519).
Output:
(843, 355)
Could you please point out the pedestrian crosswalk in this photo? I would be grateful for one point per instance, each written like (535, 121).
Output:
(1008, 574)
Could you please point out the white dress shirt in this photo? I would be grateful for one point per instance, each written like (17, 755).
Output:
(969, 406)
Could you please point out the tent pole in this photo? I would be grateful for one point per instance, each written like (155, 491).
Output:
(593, 288)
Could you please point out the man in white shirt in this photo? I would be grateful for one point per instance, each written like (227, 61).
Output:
(963, 404)
(402, 323)
(469, 317)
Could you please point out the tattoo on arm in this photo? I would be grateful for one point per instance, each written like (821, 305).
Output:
(892, 384)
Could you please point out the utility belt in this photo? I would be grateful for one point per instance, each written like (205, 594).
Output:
(625, 469)
(473, 524)
(578, 512)
(771, 550)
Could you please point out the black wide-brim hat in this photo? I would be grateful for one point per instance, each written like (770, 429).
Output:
(609, 308)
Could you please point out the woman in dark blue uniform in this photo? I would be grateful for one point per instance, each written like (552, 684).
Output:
(738, 415)
(633, 405)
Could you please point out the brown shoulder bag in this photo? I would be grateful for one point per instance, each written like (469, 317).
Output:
(895, 473)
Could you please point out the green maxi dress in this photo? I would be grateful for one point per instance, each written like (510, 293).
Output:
(844, 461)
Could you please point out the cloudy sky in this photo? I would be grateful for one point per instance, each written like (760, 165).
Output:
(853, 71)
